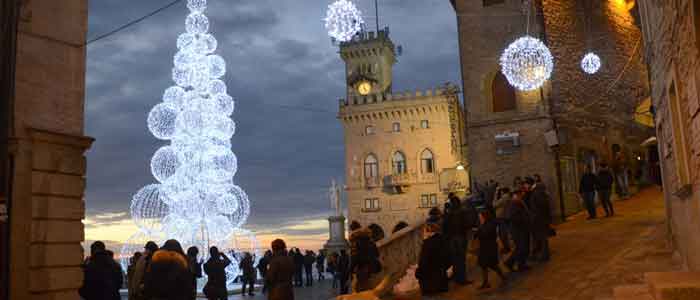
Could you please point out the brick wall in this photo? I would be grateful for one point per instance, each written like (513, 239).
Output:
(672, 54)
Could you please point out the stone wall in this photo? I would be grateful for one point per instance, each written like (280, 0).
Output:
(671, 50)
(47, 148)
(398, 252)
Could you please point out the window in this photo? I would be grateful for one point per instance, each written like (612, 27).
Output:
(503, 94)
(428, 200)
(371, 166)
(372, 204)
(680, 134)
(427, 164)
(399, 161)
(424, 124)
(396, 127)
(369, 130)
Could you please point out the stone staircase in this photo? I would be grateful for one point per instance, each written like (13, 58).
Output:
(662, 286)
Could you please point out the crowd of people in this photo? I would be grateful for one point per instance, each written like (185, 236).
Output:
(519, 217)
(167, 272)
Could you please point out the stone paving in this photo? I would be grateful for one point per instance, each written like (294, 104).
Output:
(590, 258)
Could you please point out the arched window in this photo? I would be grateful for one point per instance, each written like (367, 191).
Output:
(377, 232)
(399, 162)
(371, 166)
(399, 226)
(503, 94)
(427, 164)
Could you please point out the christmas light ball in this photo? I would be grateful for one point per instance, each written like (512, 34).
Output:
(590, 63)
(164, 163)
(343, 20)
(527, 63)
(148, 207)
(161, 121)
(197, 5)
(197, 23)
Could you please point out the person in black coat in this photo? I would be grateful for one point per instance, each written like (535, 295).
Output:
(520, 231)
(587, 189)
(343, 269)
(101, 278)
(604, 182)
(542, 219)
(298, 267)
(456, 225)
(434, 261)
(215, 268)
(487, 234)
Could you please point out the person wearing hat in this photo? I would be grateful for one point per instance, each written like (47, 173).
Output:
(434, 260)
(136, 283)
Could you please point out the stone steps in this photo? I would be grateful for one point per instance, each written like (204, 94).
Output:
(662, 286)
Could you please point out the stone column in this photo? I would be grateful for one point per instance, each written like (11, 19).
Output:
(336, 241)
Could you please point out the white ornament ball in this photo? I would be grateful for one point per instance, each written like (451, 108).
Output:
(197, 5)
(197, 23)
(224, 104)
(241, 215)
(343, 20)
(227, 204)
(590, 63)
(208, 43)
(162, 121)
(527, 63)
(217, 87)
(148, 207)
(174, 96)
(182, 76)
(217, 66)
(185, 41)
(164, 163)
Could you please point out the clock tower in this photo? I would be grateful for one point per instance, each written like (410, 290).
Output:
(369, 60)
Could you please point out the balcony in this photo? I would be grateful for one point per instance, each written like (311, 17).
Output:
(372, 182)
(401, 182)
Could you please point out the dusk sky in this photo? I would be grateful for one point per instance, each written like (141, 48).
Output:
(286, 78)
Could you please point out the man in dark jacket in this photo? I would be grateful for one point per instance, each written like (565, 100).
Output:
(540, 208)
(456, 226)
(101, 279)
(434, 261)
(343, 269)
(520, 230)
(604, 184)
(587, 189)
(309, 260)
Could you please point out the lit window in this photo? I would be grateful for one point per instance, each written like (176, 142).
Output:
(399, 161)
(433, 200)
(428, 200)
(371, 166)
(427, 162)
(424, 200)
(369, 130)
(372, 204)
(424, 124)
(396, 127)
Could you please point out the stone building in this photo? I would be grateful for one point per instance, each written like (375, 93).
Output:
(671, 48)
(586, 117)
(43, 162)
(402, 150)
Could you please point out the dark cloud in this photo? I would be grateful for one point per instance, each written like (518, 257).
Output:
(285, 75)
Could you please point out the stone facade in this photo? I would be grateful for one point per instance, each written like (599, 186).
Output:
(424, 128)
(671, 48)
(46, 150)
(588, 113)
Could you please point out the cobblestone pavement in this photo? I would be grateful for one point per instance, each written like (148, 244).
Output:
(319, 291)
(590, 258)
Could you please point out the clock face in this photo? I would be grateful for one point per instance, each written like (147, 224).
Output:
(364, 87)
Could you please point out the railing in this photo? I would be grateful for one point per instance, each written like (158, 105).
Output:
(372, 182)
(397, 252)
(404, 179)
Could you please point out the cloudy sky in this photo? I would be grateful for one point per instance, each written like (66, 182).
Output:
(286, 77)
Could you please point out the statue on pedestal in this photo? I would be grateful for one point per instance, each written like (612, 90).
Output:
(336, 224)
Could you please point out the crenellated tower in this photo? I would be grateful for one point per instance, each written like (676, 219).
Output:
(369, 59)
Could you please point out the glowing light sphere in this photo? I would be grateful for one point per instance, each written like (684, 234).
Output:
(196, 201)
(590, 63)
(343, 20)
(527, 63)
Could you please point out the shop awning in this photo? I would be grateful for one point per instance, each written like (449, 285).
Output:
(643, 115)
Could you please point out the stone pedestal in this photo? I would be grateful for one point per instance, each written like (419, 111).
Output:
(336, 241)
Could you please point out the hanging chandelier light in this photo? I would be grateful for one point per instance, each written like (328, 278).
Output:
(527, 63)
(343, 20)
(590, 63)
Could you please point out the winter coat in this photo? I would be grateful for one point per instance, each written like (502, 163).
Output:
(520, 218)
(215, 268)
(343, 267)
(102, 278)
(136, 281)
(540, 205)
(503, 206)
(433, 264)
(604, 180)
(279, 277)
(298, 261)
(488, 247)
(309, 260)
(262, 265)
(246, 266)
(363, 251)
(168, 277)
(588, 183)
(320, 263)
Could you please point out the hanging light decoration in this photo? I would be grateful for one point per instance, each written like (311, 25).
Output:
(195, 200)
(590, 63)
(527, 63)
(343, 20)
